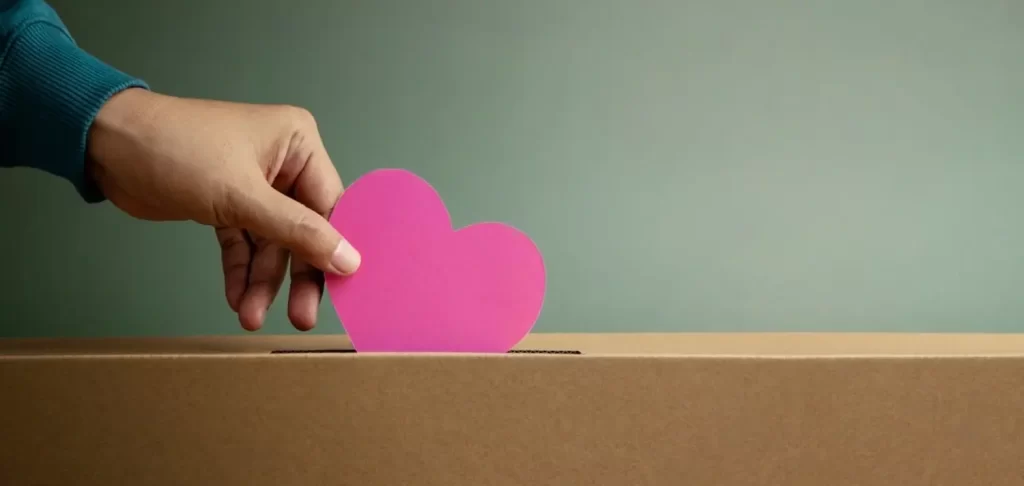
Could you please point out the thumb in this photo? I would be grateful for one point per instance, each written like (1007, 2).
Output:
(304, 232)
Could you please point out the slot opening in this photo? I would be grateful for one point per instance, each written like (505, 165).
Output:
(347, 351)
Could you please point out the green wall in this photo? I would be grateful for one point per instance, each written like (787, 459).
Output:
(684, 165)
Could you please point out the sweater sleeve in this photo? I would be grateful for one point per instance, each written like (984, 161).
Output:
(50, 93)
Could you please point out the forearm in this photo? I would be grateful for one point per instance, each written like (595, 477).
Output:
(50, 93)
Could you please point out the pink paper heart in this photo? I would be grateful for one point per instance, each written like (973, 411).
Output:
(424, 287)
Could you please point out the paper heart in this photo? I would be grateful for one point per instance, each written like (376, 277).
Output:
(422, 286)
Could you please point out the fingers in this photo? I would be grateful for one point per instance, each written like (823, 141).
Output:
(292, 213)
(304, 299)
(266, 274)
(318, 185)
(300, 229)
(236, 252)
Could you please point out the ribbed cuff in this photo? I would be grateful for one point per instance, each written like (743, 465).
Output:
(58, 90)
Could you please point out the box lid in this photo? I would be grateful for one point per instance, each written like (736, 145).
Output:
(618, 344)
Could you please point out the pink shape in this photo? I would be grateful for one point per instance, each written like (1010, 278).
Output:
(424, 287)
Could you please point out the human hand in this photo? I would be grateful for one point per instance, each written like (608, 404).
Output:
(258, 174)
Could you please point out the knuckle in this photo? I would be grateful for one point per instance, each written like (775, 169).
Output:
(226, 211)
(223, 215)
(307, 239)
(261, 244)
(303, 230)
(231, 240)
(300, 117)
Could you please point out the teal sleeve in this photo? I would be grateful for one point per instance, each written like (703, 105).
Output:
(50, 92)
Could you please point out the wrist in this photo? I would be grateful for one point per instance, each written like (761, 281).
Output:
(118, 126)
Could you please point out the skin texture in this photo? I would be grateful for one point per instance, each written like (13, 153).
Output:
(258, 174)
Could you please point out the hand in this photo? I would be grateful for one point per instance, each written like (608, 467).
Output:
(259, 174)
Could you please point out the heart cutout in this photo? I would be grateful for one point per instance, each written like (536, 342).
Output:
(424, 287)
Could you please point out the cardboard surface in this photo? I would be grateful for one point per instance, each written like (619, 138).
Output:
(738, 409)
(423, 286)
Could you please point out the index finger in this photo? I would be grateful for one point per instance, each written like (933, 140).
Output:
(318, 185)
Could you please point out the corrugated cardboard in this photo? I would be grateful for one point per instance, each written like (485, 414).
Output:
(655, 409)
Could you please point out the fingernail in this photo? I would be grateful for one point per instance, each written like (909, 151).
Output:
(345, 259)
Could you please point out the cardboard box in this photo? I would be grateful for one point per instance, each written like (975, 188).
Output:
(706, 409)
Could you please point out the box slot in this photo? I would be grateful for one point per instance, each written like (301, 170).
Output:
(339, 351)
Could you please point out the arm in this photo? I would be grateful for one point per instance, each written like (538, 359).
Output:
(259, 174)
(50, 93)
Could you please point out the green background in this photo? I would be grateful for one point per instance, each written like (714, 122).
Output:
(684, 165)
